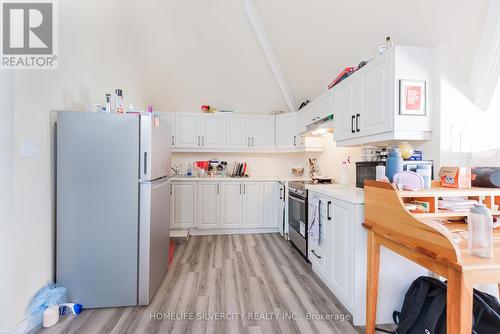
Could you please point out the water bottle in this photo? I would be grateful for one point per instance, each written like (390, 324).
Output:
(480, 224)
(394, 163)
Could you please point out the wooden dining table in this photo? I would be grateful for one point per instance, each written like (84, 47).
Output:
(434, 240)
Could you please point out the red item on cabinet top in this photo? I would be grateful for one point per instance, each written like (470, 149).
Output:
(344, 74)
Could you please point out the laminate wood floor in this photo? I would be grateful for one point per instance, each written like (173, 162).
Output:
(258, 281)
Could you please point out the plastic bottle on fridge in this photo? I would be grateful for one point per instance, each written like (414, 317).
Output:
(119, 101)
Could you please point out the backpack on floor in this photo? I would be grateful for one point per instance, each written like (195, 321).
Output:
(424, 310)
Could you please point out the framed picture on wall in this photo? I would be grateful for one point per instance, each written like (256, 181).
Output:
(412, 97)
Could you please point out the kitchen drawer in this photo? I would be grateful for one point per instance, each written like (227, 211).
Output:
(317, 256)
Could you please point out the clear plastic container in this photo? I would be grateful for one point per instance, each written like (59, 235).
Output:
(480, 223)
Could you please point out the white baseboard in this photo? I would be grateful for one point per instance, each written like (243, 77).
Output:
(21, 328)
(226, 231)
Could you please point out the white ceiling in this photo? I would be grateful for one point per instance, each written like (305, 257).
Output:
(193, 52)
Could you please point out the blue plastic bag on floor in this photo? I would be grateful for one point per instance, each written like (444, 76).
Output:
(49, 295)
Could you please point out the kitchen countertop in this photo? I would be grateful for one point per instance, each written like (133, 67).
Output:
(348, 193)
(239, 179)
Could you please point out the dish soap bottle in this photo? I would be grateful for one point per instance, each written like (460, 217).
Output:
(394, 163)
(480, 224)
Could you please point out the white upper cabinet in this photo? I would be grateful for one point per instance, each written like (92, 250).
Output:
(374, 115)
(238, 132)
(187, 130)
(169, 118)
(263, 132)
(344, 119)
(368, 102)
(251, 132)
(198, 130)
(213, 131)
(286, 131)
(320, 107)
(220, 132)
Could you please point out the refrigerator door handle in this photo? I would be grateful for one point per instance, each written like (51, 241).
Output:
(145, 163)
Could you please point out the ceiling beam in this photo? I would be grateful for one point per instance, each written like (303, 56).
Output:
(485, 73)
(265, 43)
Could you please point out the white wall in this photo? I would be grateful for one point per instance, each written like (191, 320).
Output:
(280, 164)
(260, 165)
(462, 127)
(94, 59)
(6, 199)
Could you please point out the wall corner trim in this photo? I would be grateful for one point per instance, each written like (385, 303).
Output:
(267, 48)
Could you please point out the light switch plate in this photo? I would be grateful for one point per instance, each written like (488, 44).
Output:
(29, 148)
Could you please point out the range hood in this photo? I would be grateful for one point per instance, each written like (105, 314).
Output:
(322, 127)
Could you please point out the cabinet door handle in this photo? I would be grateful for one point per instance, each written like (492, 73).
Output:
(240, 188)
(328, 208)
(218, 191)
(294, 140)
(352, 124)
(357, 122)
(244, 189)
(145, 163)
(253, 139)
(312, 251)
(281, 193)
(248, 140)
(171, 190)
(173, 140)
(198, 140)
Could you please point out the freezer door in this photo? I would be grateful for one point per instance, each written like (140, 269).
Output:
(154, 236)
(155, 148)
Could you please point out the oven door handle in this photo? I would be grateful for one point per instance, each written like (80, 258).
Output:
(300, 200)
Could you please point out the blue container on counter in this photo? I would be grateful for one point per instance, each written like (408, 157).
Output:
(394, 163)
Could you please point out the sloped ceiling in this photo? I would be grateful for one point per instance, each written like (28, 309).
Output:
(193, 52)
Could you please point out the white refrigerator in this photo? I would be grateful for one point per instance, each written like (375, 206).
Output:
(112, 207)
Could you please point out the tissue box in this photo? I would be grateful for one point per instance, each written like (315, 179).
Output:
(456, 177)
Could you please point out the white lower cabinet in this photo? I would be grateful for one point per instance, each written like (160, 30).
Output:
(319, 253)
(208, 204)
(224, 204)
(342, 251)
(271, 193)
(231, 200)
(340, 261)
(183, 206)
(253, 204)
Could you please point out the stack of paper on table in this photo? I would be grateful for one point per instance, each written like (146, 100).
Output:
(456, 204)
